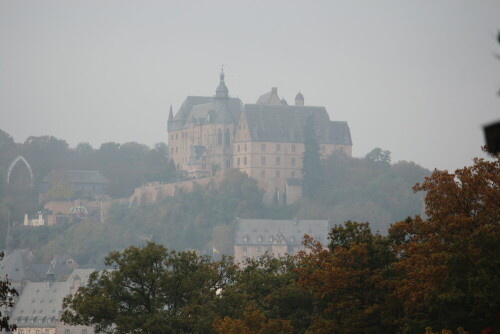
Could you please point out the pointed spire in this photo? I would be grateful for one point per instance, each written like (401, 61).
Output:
(170, 114)
(222, 92)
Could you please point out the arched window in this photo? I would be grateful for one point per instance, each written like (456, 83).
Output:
(227, 137)
(219, 137)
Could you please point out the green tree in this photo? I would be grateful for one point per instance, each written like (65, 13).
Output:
(7, 295)
(377, 155)
(311, 168)
(150, 290)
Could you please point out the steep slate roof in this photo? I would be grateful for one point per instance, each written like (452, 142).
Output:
(15, 265)
(78, 176)
(279, 123)
(248, 231)
(39, 300)
(340, 133)
(205, 110)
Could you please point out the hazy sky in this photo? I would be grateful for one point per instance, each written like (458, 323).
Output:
(418, 78)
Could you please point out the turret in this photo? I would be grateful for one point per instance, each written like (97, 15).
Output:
(222, 92)
(299, 99)
(170, 118)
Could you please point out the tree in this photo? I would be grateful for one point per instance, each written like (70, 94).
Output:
(377, 155)
(350, 281)
(7, 295)
(150, 290)
(450, 261)
(311, 168)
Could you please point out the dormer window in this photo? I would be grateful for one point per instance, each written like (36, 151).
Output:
(259, 239)
(245, 238)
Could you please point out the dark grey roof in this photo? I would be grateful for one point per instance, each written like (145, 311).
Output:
(15, 265)
(250, 231)
(205, 110)
(38, 271)
(77, 176)
(39, 300)
(340, 133)
(279, 123)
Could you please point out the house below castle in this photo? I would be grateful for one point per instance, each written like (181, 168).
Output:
(264, 140)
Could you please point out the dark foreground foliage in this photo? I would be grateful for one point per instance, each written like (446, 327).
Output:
(441, 272)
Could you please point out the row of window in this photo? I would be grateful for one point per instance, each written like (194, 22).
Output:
(47, 331)
(227, 137)
(263, 161)
(261, 238)
(263, 147)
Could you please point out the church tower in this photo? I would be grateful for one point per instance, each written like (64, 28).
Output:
(299, 99)
(222, 92)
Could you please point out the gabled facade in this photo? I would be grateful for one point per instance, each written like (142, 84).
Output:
(263, 140)
(255, 237)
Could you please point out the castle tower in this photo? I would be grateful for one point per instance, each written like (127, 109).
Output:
(170, 119)
(299, 99)
(222, 92)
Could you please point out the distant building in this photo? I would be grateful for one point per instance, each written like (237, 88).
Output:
(255, 237)
(264, 140)
(85, 184)
(39, 307)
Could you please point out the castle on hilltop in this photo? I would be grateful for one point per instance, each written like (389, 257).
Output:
(263, 140)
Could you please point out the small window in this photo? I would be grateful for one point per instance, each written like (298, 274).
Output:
(292, 174)
(238, 162)
(66, 331)
(293, 162)
(84, 331)
(245, 147)
(293, 147)
(259, 249)
(238, 147)
(278, 147)
(259, 239)
(245, 238)
(245, 161)
(245, 249)
(277, 173)
(227, 137)
(263, 173)
(292, 239)
(278, 161)
(263, 160)
(263, 147)
(219, 137)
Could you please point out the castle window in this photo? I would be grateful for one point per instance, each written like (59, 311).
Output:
(203, 166)
(176, 150)
(172, 137)
(238, 148)
(263, 173)
(263, 147)
(293, 174)
(259, 249)
(259, 239)
(245, 161)
(227, 137)
(219, 137)
(263, 160)
(277, 173)
(238, 162)
(245, 238)
(228, 163)
(245, 147)
(176, 136)
(245, 249)
(293, 147)
(293, 162)
(278, 147)
(278, 161)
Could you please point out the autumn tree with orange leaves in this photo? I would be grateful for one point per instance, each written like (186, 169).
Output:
(450, 261)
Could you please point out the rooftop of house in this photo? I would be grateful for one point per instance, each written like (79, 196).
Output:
(264, 232)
